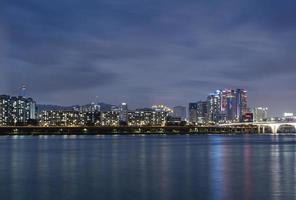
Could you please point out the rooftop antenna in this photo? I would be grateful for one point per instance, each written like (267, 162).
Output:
(23, 90)
(97, 99)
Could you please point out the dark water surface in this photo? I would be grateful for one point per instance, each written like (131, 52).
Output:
(147, 167)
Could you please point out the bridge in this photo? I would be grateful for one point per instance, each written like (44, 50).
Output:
(262, 126)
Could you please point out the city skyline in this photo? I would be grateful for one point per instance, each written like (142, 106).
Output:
(146, 53)
(219, 105)
(223, 108)
(23, 93)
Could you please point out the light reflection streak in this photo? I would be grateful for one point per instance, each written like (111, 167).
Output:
(216, 161)
(275, 169)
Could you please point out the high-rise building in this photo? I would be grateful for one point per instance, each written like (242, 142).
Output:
(192, 110)
(32, 109)
(16, 110)
(241, 103)
(5, 110)
(214, 107)
(231, 106)
(260, 113)
(180, 111)
(202, 112)
(123, 112)
(224, 95)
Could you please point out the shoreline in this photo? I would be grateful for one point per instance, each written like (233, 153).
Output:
(143, 135)
(135, 130)
(125, 130)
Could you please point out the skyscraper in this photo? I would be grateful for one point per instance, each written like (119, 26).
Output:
(202, 111)
(224, 99)
(123, 112)
(214, 106)
(231, 106)
(192, 113)
(241, 103)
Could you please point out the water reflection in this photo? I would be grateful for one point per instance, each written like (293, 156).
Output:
(248, 182)
(148, 167)
(275, 171)
(215, 155)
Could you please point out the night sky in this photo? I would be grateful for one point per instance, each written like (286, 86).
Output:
(149, 51)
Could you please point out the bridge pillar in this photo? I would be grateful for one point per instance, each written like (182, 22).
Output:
(274, 129)
(294, 126)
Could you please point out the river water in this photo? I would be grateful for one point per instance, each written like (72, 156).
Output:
(147, 167)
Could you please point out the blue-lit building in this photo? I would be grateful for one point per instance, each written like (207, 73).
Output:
(214, 106)
(192, 111)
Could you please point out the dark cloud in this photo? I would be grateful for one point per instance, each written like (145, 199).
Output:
(59, 79)
(145, 52)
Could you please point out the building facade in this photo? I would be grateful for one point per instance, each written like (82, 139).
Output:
(241, 103)
(214, 107)
(147, 117)
(69, 118)
(202, 112)
(123, 112)
(260, 114)
(110, 118)
(192, 112)
(17, 110)
(180, 112)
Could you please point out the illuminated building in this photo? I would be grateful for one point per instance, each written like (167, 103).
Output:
(260, 114)
(162, 107)
(231, 106)
(60, 118)
(123, 112)
(5, 110)
(110, 118)
(69, 118)
(224, 95)
(147, 117)
(17, 110)
(288, 114)
(214, 107)
(289, 117)
(90, 118)
(247, 117)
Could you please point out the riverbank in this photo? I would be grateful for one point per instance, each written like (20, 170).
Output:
(103, 130)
